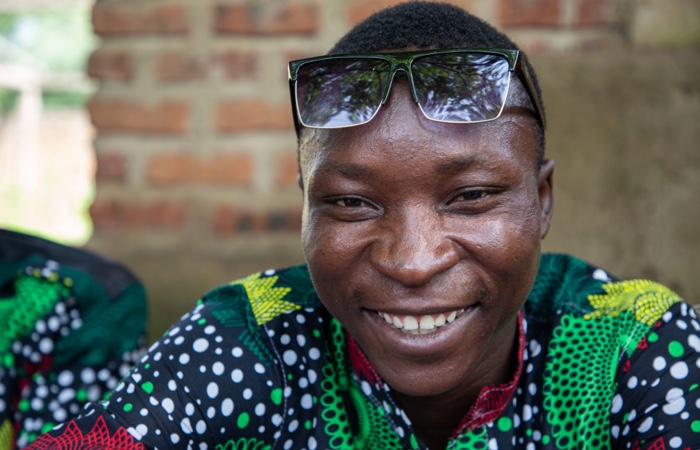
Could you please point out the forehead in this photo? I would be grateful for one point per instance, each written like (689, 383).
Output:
(400, 124)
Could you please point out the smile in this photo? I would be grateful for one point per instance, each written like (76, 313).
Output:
(428, 323)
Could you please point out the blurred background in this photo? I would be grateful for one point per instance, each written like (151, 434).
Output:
(159, 133)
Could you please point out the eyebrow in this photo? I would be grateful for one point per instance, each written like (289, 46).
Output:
(456, 165)
(358, 172)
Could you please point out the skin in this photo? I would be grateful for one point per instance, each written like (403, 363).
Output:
(408, 216)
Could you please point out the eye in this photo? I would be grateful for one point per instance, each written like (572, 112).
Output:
(472, 195)
(350, 202)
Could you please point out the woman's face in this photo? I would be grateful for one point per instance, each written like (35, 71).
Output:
(423, 239)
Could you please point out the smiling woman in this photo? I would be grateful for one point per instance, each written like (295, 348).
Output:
(426, 315)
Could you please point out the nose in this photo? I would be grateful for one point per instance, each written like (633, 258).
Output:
(414, 249)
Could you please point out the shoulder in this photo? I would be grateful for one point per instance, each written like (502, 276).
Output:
(569, 286)
(236, 366)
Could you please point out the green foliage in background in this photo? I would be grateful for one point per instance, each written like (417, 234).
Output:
(62, 39)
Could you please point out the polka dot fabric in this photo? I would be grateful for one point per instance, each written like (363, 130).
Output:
(45, 377)
(260, 364)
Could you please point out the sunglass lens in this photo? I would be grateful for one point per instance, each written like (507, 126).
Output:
(461, 87)
(338, 93)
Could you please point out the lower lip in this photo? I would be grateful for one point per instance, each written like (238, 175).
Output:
(421, 345)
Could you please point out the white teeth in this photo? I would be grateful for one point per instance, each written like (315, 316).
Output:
(419, 324)
(410, 323)
(440, 320)
(427, 323)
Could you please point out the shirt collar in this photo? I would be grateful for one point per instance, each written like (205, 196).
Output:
(491, 401)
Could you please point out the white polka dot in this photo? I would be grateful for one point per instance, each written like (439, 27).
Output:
(681, 324)
(200, 345)
(312, 443)
(211, 412)
(616, 404)
(314, 353)
(600, 275)
(679, 370)
(646, 425)
(301, 340)
(312, 376)
(668, 315)
(289, 357)
(303, 382)
(301, 318)
(227, 407)
(237, 376)
(293, 425)
(168, 405)
(141, 429)
(46, 345)
(259, 409)
(65, 378)
(694, 342)
(179, 340)
(493, 445)
(676, 442)
(212, 390)
(675, 403)
(247, 393)
(532, 388)
(201, 427)
(527, 413)
(210, 329)
(307, 401)
(615, 431)
(189, 409)
(285, 339)
(259, 368)
(174, 438)
(184, 358)
(237, 352)
(218, 368)
(632, 383)
(174, 331)
(659, 363)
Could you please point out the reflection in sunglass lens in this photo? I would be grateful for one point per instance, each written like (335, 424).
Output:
(461, 87)
(341, 92)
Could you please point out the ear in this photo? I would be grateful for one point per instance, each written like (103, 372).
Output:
(545, 190)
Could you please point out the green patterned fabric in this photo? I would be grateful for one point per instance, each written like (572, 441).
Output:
(603, 364)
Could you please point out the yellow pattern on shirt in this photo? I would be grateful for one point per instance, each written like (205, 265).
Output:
(266, 300)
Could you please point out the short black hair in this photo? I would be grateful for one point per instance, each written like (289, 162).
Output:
(428, 25)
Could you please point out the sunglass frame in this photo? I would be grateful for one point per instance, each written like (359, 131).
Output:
(403, 60)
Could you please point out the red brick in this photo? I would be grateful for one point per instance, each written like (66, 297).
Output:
(110, 65)
(275, 19)
(230, 221)
(595, 13)
(237, 64)
(359, 10)
(116, 214)
(111, 167)
(119, 19)
(288, 170)
(252, 114)
(529, 13)
(111, 114)
(180, 168)
(178, 66)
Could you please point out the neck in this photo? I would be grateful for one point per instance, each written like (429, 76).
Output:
(435, 418)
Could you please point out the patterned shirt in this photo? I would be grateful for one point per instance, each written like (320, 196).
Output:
(71, 326)
(260, 364)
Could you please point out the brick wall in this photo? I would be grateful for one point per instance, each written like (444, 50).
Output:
(196, 178)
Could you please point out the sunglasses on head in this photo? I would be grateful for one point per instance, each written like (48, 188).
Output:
(453, 86)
